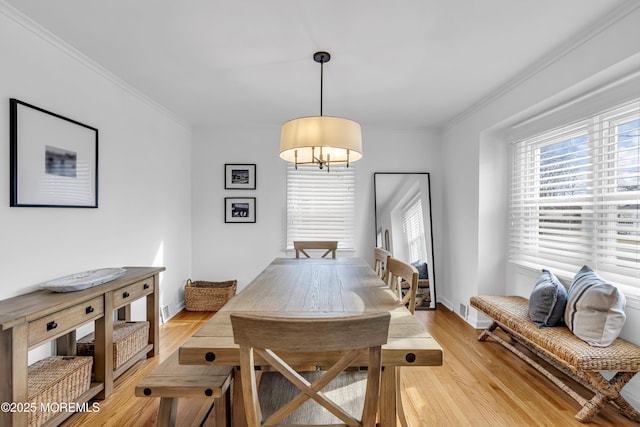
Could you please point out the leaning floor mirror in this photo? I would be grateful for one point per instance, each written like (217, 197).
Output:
(403, 226)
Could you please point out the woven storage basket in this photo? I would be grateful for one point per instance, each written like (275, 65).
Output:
(128, 339)
(208, 296)
(55, 380)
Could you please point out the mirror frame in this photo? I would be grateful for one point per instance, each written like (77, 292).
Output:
(432, 273)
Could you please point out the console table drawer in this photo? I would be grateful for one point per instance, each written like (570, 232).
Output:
(132, 292)
(64, 321)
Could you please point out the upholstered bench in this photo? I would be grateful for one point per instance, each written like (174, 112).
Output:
(170, 381)
(559, 347)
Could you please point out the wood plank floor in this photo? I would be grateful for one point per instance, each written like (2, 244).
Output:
(480, 384)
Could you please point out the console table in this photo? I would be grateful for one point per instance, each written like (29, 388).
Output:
(32, 319)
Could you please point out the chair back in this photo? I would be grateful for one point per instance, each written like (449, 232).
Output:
(338, 342)
(380, 266)
(398, 271)
(330, 247)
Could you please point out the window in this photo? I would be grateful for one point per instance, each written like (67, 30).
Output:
(413, 226)
(321, 204)
(575, 197)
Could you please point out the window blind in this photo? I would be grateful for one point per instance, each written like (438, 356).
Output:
(321, 204)
(413, 225)
(575, 196)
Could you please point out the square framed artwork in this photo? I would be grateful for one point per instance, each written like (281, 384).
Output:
(54, 159)
(240, 176)
(240, 209)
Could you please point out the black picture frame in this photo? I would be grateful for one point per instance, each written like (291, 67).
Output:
(240, 210)
(53, 159)
(239, 176)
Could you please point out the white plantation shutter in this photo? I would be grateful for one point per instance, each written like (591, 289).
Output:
(575, 197)
(321, 204)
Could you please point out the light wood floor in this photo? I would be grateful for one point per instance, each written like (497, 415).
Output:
(480, 384)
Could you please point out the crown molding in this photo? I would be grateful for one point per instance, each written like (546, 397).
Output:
(29, 24)
(547, 60)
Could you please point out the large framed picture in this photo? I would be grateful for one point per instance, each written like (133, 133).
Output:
(54, 159)
(239, 177)
(240, 209)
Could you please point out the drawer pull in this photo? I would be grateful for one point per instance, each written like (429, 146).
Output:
(89, 310)
(51, 325)
(125, 295)
(146, 286)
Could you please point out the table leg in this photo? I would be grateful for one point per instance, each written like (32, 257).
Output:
(401, 416)
(13, 373)
(388, 397)
(221, 410)
(237, 404)
(153, 314)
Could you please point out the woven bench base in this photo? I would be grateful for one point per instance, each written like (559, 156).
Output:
(511, 315)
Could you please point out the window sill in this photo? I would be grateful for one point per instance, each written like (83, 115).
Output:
(632, 294)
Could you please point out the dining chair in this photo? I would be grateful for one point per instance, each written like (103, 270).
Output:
(403, 275)
(330, 246)
(336, 395)
(380, 265)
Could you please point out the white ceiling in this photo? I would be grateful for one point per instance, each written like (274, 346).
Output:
(249, 63)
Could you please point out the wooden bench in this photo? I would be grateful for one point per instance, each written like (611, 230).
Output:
(563, 350)
(170, 381)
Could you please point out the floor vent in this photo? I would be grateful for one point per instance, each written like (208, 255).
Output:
(164, 313)
(463, 311)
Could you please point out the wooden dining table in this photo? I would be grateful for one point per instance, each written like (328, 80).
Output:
(318, 288)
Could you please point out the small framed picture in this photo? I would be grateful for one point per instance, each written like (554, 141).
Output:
(54, 159)
(240, 209)
(239, 177)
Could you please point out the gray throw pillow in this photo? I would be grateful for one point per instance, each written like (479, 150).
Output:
(547, 301)
(423, 272)
(595, 310)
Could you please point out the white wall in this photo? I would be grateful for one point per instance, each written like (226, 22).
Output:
(144, 210)
(475, 163)
(148, 173)
(225, 251)
(239, 251)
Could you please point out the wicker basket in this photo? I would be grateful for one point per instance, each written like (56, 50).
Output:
(55, 380)
(208, 296)
(128, 339)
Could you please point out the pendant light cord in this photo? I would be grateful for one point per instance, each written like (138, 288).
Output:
(321, 84)
(321, 58)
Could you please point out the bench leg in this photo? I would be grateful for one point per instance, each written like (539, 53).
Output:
(487, 332)
(626, 409)
(607, 391)
(167, 411)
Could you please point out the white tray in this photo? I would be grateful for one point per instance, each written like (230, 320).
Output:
(83, 280)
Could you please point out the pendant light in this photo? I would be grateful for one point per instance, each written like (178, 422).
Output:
(321, 140)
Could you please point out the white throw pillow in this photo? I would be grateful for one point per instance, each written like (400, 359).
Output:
(595, 309)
